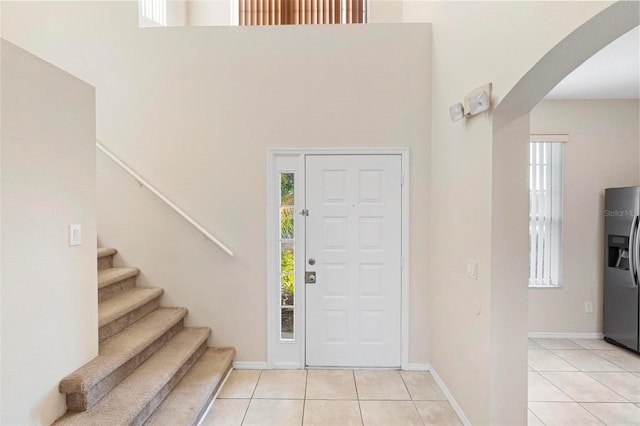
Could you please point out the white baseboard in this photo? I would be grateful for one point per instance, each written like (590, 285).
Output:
(417, 367)
(454, 404)
(256, 365)
(544, 335)
(287, 366)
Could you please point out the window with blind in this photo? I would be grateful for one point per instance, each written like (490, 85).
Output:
(153, 11)
(545, 210)
(301, 12)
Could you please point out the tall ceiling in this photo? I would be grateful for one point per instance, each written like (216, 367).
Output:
(612, 73)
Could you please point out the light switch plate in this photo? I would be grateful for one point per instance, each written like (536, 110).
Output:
(588, 307)
(472, 269)
(75, 235)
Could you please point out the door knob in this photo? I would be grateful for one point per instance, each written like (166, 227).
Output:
(310, 277)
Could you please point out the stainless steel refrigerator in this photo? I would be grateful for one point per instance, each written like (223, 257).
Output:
(621, 266)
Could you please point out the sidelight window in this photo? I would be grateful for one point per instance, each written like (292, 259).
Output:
(287, 256)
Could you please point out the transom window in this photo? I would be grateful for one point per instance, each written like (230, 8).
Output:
(301, 12)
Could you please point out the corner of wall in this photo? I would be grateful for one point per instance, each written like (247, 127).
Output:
(49, 289)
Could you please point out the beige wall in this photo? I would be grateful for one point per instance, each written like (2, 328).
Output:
(209, 12)
(49, 291)
(385, 11)
(459, 172)
(194, 110)
(602, 152)
(509, 203)
(481, 358)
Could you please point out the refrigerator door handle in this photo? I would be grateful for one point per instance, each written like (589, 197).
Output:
(636, 251)
(633, 266)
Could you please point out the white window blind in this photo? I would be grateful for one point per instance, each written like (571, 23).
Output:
(154, 11)
(545, 210)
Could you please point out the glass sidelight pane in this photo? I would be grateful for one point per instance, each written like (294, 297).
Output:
(286, 324)
(286, 257)
(287, 290)
(286, 189)
(286, 223)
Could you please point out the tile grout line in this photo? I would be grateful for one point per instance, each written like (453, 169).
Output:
(555, 386)
(304, 397)
(251, 398)
(612, 362)
(560, 358)
(355, 383)
(535, 415)
(603, 384)
(255, 388)
(593, 414)
(591, 351)
(553, 371)
(413, 402)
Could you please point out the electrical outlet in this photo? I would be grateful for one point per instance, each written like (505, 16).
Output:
(472, 269)
(588, 307)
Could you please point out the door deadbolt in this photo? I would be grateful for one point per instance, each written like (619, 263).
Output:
(312, 261)
(310, 277)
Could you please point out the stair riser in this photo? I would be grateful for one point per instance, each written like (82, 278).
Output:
(114, 289)
(121, 323)
(162, 394)
(84, 401)
(105, 262)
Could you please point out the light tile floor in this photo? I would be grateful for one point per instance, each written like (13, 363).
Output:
(330, 397)
(582, 382)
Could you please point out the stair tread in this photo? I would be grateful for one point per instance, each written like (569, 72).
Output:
(185, 403)
(125, 302)
(122, 347)
(110, 276)
(127, 399)
(106, 251)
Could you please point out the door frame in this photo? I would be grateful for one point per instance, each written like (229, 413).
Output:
(292, 354)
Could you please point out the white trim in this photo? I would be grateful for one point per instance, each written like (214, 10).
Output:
(417, 367)
(549, 138)
(157, 193)
(405, 221)
(534, 286)
(288, 366)
(273, 341)
(250, 365)
(454, 404)
(270, 257)
(337, 151)
(284, 353)
(556, 335)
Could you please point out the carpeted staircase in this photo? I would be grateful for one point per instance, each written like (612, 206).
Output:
(150, 369)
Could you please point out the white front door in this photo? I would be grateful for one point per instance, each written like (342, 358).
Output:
(353, 244)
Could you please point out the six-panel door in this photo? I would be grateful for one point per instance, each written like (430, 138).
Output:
(353, 235)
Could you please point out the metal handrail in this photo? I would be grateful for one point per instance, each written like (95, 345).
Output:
(157, 193)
